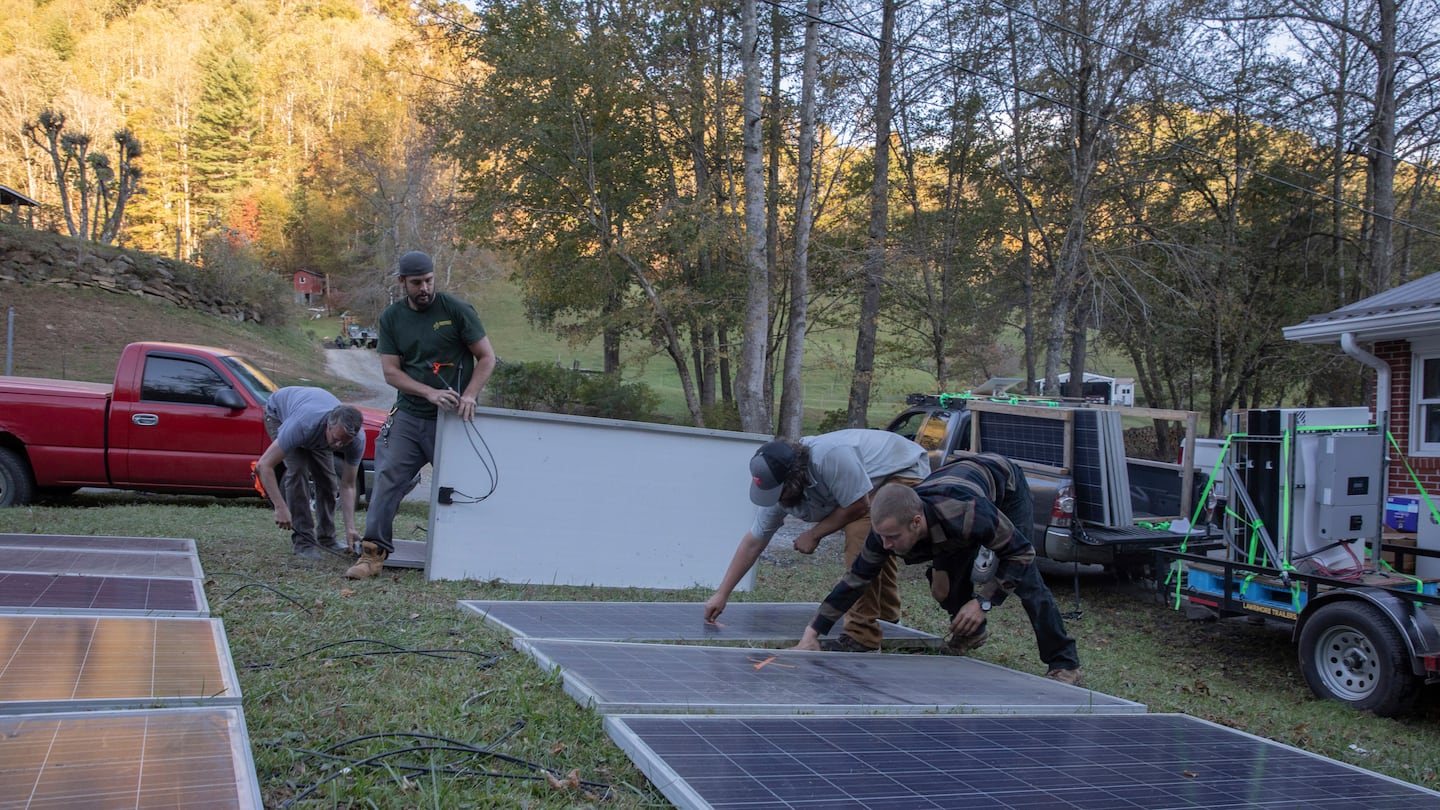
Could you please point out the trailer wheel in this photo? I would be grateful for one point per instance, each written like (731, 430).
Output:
(17, 486)
(1352, 653)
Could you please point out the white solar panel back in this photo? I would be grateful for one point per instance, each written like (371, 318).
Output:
(582, 501)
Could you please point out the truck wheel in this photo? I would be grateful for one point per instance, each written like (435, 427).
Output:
(1351, 652)
(17, 486)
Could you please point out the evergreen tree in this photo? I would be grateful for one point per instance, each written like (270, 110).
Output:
(225, 124)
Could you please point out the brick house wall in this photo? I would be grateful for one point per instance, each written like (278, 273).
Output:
(1397, 353)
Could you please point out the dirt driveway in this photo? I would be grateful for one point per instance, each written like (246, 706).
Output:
(362, 367)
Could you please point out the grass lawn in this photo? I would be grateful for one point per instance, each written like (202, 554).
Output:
(322, 661)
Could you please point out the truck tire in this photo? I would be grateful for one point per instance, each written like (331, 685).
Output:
(1353, 653)
(17, 485)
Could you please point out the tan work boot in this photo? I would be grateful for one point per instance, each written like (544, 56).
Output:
(1070, 676)
(372, 560)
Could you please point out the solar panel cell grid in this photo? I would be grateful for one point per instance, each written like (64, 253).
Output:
(1103, 762)
(51, 661)
(668, 621)
(1092, 497)
(159, 758)
(102, 542)
(101, 562)
(149, 595)
(668, 678)
(1024, 438)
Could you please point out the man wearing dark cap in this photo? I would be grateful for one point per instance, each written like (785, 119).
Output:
(827, 480)
(434, 352)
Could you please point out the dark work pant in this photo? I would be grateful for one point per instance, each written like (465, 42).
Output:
(1057, 648)
(404, 447)
(302, 467)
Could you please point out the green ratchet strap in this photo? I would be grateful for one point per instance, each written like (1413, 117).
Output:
(1284, 540)
(1429, 504)
(1205, 493)
(1419, 583)
(1015, 399)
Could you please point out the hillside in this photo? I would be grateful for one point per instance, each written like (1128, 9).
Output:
(77, 334)
(74, 310)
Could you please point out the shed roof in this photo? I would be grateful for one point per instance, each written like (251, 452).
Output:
(9, 196)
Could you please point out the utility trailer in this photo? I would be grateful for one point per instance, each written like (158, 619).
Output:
(1093, 503)
(1302, 543)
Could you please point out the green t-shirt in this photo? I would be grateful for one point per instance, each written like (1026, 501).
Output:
(440, 335)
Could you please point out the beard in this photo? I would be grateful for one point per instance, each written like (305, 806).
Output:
(421, 301)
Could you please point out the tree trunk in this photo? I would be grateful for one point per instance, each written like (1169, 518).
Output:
(792, 396)
(874, 270)
(750, 386)
(1382, 152)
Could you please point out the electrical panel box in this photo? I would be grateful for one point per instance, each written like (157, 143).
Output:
(1427, 536)
(1338, 480)
(1349, 468)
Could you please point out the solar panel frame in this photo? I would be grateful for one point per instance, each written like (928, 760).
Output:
(1090, 762)
(115, 562)
(52, 758)
(742, 622)
(66, 663)
(621, 677)
(85, 594)
(99, 542)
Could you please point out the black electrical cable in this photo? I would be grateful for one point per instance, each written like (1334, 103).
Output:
(447, 745)
(474, 698)
(472, 432)
(255, 583)
(488, 659)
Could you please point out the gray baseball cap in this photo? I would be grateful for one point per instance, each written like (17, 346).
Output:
(414, 263)
(769, 468)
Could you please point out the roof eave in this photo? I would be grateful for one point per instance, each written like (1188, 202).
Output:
(1369, 328)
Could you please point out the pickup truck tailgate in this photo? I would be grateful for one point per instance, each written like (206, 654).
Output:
(1130, 536)
(62, 425)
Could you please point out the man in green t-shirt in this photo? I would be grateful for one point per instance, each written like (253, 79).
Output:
(434, 352)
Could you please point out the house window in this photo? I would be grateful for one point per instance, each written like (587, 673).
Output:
(1425, 392)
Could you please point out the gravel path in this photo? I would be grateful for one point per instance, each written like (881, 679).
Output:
(362, 367)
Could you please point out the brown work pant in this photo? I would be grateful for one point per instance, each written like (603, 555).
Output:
(881, 601)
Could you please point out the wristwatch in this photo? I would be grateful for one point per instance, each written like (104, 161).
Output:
(984, 603)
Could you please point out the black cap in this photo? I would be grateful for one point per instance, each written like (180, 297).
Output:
(414, 263)
(769, 468)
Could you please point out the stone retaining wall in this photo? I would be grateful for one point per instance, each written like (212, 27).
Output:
(30, 257)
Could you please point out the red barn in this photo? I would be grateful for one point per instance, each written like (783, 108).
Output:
(310, 287)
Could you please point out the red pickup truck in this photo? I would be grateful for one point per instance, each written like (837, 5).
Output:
(179, 419)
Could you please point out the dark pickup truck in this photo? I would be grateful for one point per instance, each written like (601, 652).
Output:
(1078, 480)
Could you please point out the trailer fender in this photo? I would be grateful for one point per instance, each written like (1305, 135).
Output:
(1420, 634)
